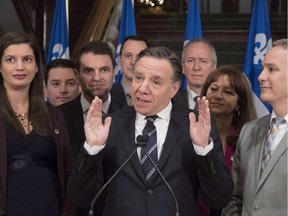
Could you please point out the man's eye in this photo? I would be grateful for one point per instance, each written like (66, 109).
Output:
(137, 77)
(88, 71)
(156, 83)
(105, 70)
(127, 55)
(55, 84)
(71, 84)
(271, 69)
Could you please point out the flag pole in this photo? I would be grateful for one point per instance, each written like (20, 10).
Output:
(67, 13)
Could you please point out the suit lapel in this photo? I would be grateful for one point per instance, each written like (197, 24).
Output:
(259, 145)
(279, 151)
(177, 124)
(126, 128)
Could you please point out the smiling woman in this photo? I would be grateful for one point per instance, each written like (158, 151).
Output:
(230, 102)
(34, 139)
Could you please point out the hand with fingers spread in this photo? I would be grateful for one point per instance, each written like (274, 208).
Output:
(200, 130)
(96, 132)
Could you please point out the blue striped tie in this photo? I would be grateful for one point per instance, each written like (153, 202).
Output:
(151, 147)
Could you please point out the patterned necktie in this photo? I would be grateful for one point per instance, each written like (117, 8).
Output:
(195, 101)
(151, 147)
(267, 151)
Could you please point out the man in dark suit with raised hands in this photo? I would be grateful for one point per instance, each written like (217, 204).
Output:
(188, 148)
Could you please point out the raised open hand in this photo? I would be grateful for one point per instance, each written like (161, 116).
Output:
(200, 130)
(96, 132)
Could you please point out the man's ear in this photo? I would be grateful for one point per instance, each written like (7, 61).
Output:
(114, 73)
(175, 88)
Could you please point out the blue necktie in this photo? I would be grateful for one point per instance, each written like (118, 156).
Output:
(267, 151)
(151, 147)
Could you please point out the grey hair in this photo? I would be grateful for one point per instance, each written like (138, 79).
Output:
(208, 43)
(281, 42)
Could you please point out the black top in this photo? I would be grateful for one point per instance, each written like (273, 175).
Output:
(32, 183)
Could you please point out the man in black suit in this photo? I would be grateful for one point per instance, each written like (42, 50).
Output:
(129, 51)
(96, 73)
(187, 148)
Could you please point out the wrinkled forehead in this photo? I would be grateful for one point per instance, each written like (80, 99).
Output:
(149, 65)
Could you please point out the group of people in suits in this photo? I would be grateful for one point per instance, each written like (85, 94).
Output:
(199, 144)
(229, 80)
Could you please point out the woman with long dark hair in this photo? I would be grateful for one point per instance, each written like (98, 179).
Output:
(35, 156)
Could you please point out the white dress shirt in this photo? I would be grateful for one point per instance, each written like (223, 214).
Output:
(86, 105)
(191, 96)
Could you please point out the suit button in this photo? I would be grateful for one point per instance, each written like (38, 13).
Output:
(212, 169)
(150, 192)
(255, 208)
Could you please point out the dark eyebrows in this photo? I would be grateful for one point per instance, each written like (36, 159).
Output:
(105, 68)
(86, 68)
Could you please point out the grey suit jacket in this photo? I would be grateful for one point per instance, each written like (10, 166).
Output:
(254, 194)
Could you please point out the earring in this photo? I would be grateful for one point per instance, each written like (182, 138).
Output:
(236, 114)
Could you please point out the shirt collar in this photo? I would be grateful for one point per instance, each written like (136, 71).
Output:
(85, 104)
(106, 104)
(191, 93)
(273, 115)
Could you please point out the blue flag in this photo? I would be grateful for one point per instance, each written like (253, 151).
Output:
(193, 29)
(127, 28)
(59, 43)
(193, 23)
(259, 42)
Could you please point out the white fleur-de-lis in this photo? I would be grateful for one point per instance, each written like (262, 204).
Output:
(59, 52)
(264, 46)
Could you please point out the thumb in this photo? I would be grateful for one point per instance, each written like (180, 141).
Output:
(192, 118)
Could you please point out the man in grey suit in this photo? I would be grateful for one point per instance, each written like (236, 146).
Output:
(260, 176)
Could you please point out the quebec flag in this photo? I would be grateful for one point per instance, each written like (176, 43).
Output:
(193, 29)
(259, 42)
(59, 43)
(193, 23)
(127, 28)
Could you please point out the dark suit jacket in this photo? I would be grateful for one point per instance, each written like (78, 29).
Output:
(117, 92)
(64, 159)
(73, 113)
(182, 98)
(129, 194)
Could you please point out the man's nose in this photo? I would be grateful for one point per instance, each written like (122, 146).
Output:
(96, 75)
(63, 88)
(197, 65)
